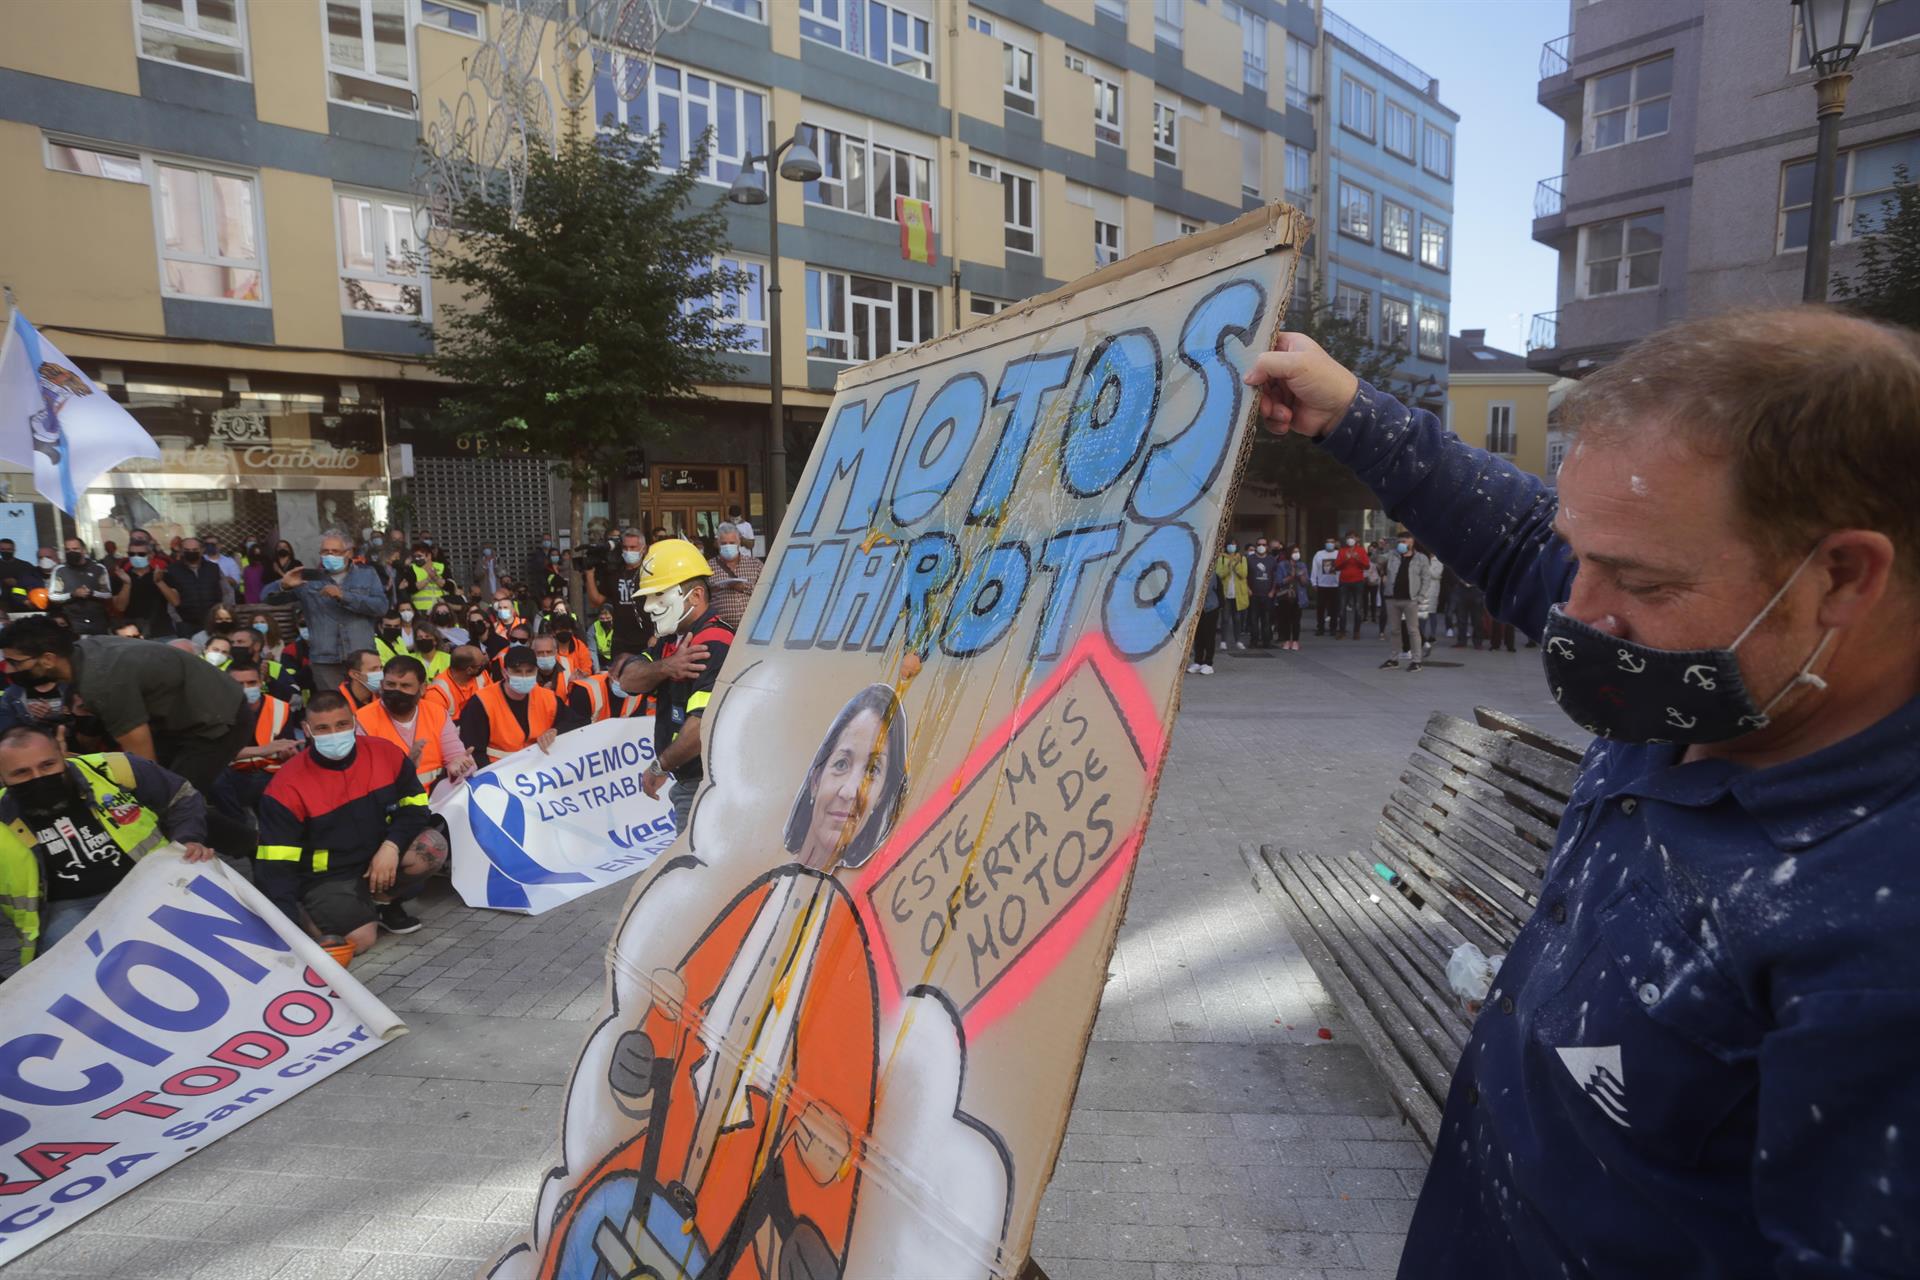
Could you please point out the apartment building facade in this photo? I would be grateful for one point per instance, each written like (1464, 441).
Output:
(1687, 168)
(1386, 207)
(214, 202)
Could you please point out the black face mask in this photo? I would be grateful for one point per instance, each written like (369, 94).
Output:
(389, 633)
(399, 705)
(75, 559)
(190, 557)
(423, 643)
(46, 796)
(26, 679)
(442, 619)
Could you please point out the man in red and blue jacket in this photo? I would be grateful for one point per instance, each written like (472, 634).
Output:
(345, 834)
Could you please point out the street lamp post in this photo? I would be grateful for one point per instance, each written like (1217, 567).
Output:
(1835, 30)
(755, 187)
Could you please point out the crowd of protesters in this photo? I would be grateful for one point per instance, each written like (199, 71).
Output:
(295, 716)
(1263, 592)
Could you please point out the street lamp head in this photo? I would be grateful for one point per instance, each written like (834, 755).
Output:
(750, 187)
(1835, 30)
(799, 164)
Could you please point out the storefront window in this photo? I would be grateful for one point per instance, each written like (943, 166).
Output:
(258, 458)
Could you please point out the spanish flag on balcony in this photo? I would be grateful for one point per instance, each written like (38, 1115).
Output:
(916, 229)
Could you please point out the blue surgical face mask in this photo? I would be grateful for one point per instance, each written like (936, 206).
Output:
(633, 557)
(373, 679)
(522, 685)
(1401, 547)
(1232, 547)
(333, 564)
(334, 746)
(139, 562)
(262, 625)
(546, 661)
(729, 551)
(252, 691)
(306, 633)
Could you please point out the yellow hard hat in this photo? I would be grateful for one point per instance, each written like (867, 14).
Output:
(670, 562)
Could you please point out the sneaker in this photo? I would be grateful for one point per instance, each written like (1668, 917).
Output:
(1414, 667)
(395, 918)
(1205, 670)
(1390, 662)
(1239, 644)
(1193, 668)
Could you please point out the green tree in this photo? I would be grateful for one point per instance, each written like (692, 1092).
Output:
(1294, 470)
(1887, 285)
(592, 317)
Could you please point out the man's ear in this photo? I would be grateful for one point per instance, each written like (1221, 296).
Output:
(1858, 564)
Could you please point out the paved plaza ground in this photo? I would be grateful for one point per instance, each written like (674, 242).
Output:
(1215, 1136)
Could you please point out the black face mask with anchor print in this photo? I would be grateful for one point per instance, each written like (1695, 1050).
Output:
(1632, 692)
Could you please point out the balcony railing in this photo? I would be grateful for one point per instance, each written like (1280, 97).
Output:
(1355, 38)
(1554, 54)
(1545, 331)
(1549, 200)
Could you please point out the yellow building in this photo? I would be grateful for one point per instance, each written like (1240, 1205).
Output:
(1495, 401)
(211, 204)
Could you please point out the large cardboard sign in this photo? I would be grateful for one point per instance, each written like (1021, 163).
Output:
(540, 828)
(846, 1011)
(184, 1006)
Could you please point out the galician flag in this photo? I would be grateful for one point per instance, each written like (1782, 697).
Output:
(916, 228)
(54, 419)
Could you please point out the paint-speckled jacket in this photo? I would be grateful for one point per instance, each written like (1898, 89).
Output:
(1702, 1056)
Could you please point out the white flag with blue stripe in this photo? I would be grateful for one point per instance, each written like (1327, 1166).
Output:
(53, 418)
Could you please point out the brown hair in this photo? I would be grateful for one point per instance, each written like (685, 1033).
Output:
(1817, 412)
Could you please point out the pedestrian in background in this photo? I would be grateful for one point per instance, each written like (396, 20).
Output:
(1350, 565)
(82, 590)
(1231, 570)
(1412, 585)
(1326, 588)
(1293, 587)
(736, 572)
(1260, 567)
(1207, 633)
(339, 603)
(198, 584)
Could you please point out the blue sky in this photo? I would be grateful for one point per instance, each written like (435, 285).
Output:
(1486, 54)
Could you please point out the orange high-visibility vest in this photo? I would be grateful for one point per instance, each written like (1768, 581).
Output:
(596, 687)
(267, 726)
(579, 657)
(429, 722)
(451, 696)
(504, 735)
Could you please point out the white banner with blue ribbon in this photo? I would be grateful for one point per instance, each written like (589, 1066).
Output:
(541, 828)
(58, 421)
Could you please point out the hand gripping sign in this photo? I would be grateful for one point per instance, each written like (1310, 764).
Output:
(184, 1006)
(846, 1010)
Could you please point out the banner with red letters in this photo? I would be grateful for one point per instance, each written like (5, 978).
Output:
(184, 1006)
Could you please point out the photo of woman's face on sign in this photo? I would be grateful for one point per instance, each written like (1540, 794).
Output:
(853, 791)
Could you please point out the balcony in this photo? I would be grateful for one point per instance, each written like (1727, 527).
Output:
(1550, 211)
(1545, 333)
(1559, 89)
(1553, 56)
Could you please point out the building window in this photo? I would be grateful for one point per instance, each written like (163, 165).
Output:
(872, 30)
(1016, 78)
(680, 105)
(207, 35)
(1299, 171)
(1356, 212)
(1253, 42)
(1893, 22)
(976, 22)
(1396, 134)
(984, 169)
(1169, 20)
(1189, 228)
(1106, 242)
(753, 9)
(1299, 72)
(92, 162)
(1500, 427)
(1396, 321)
(383, 268)
(1630, 104)
(1433, 243)
(370, 55)
(1355, 306)
(1166, 133)
(1436, 152)
(1107, 126)
(1556, 454)
(461, 19)
(1621, 255)
(209, 229)
(855, 318)
(1356, 107)
(1252, 162)
(1433, 334)
(1396, 228)
(744, 305)
(980, 305)
(863, 176)
(1017, 203)
(1116, 8)
(1862, 191)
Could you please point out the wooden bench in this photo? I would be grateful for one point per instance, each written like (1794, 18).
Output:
(1458, 857)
